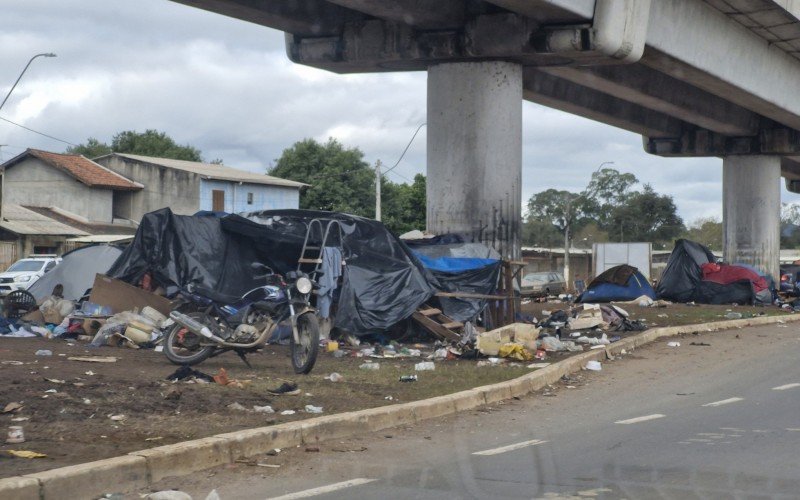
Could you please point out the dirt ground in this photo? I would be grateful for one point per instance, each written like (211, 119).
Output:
(76, 411)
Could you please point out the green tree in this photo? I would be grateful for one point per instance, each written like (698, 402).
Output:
(147, 143)
(706, 231)
(340, 180)
(91, 149)
(403, 205)
(646, 216)
(608, 189)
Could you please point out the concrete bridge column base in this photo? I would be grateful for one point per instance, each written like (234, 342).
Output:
(751, 200)
(475, 152)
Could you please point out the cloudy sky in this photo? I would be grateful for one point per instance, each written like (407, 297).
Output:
(227, 88)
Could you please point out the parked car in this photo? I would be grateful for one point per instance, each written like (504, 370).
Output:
(542, 283)
(24, 272)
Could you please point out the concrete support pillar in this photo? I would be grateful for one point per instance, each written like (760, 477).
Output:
(751, 200)
(475, 152)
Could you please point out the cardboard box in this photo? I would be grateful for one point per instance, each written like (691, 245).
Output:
(120, 296)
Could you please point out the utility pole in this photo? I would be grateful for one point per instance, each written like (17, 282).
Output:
(378, 190)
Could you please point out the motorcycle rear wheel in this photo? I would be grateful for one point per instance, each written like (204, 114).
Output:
(182, 346)
(304, 353)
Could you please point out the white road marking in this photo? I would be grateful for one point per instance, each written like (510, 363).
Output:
(790, 429)
(724, 402)
(640, 419)
(784, 387)
(511, 447)
(324, 489)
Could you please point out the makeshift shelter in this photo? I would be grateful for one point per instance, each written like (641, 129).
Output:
(76, 271)
(619, 283)
(692, 275)
(456, 266)
(382, 283)
(682, 275)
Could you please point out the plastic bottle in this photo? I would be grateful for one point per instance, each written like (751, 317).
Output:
(408, 378)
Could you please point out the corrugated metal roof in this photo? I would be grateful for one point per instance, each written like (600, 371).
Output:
(212, 171)
(20, 220)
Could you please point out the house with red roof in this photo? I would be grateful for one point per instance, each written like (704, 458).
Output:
(49, 198)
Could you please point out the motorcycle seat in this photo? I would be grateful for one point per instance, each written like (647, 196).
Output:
(221, 298)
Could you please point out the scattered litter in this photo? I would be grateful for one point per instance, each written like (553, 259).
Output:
(389, 398)
(263, 409)
(11, 362)
(370, 366)
(20, 419)
(313, 409)
(12, 407)
(700, 344)
(94, 359)
(189, 374)
(168, 495)
(157, 438)
(536, 366)
(285, 389)
(594, 366)
(673, 344)
(44, 352)
(334, 377)
(89, 373)
(51, 391)
(733, 315)
(236, 406)
(55, 380)
(117, 418)
(408, 378)
(15, 434)
(288, 412)
(273, 466)
(25, 454)
(425, 366)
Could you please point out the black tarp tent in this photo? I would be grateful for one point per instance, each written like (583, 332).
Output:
(383, 282)
(682, 279)
(682, 275)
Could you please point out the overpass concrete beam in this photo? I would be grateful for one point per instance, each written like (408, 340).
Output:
(424, 14)
(773, 141)
(548, 90)
(693, 42)
(657, 91)
(751, 200)
(475, 152)
(300, 17)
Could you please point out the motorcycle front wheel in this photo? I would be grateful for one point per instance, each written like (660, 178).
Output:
(183, 347)
(304, 353)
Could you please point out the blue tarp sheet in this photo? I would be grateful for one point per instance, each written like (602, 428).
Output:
(453, 264)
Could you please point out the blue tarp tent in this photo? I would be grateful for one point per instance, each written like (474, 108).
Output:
(620, 283)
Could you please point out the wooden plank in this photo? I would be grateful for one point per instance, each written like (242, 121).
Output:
(310, 261)
(468, 295)
(435, 328)
(429, 312)
(452, 325)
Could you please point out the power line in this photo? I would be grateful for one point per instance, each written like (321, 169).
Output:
(37, 132)
(406, 149)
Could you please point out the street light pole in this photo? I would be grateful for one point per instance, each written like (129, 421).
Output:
(48, 54)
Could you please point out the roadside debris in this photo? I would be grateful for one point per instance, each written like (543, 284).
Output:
(594, 366)
(24, 453)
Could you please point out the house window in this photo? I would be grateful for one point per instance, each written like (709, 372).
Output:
(249, 198)
(218, 200)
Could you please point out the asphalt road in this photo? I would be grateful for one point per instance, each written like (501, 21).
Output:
(716, 421)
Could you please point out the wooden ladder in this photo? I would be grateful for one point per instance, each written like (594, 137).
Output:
(438, 323)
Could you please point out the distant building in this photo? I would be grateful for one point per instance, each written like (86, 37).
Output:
(188, 187)
(70, 182)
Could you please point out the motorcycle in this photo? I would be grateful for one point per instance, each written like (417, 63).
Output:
(219, 323)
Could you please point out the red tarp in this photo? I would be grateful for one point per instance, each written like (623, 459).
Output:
(725, 274)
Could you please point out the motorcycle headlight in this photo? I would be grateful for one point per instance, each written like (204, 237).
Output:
(303, 285)
(22, 278)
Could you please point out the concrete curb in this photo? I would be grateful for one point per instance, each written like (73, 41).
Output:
(140, 469)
